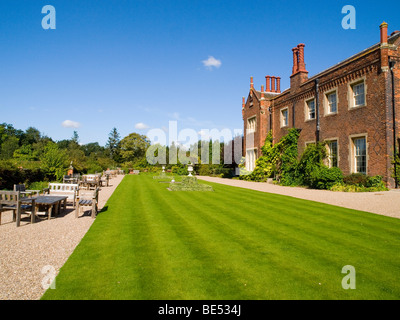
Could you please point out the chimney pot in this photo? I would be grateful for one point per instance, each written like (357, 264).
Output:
(268, 82)
(273, 84)
(251, 83)
(302, 65)
(295, 60)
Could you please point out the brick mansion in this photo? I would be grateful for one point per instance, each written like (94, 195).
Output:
(353, 106)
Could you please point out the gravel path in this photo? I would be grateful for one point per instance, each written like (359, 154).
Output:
(26, 250)
(385, 202)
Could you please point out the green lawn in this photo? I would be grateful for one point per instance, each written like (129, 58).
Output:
(150, 243)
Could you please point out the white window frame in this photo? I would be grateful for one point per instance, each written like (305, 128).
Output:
(251, 157)
(352, 144)
(329, 158)
(250, 127)
(351, 94)
(307, 109)
(327, 106)
(283, 125)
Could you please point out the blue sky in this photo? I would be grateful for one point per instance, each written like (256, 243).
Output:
(123, 63)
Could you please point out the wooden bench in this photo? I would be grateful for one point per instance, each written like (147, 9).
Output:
(87, 198)
(64, 189)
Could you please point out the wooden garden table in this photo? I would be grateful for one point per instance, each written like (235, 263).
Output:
(49, 202)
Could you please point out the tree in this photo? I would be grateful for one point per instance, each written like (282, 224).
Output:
(25, 153)
(75, 137)
(133, 147)
(54, 161)
(92, 147)
(113, 144)
(8, 147)
(31, 136)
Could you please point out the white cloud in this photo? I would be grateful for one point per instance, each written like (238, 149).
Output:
(141, 126)
(203, 133)
(212, 62)
(70, 124)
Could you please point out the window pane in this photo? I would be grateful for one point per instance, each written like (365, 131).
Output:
(359, 96)
(333, 154)
(251, 125)
(332, 102)
(360, 147)
(311, 109)
(284, 117)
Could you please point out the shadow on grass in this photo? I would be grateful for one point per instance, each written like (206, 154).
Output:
(104, 209)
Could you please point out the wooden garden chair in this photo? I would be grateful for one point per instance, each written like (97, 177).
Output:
(11, 201)
(22, 189)
(87, 198)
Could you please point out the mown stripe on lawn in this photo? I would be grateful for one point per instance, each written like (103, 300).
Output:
(233, 243)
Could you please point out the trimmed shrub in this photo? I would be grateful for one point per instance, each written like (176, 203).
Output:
(355, 179)
(325, 178)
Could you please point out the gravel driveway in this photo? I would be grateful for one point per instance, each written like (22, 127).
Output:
(385, 202)
(26, 250)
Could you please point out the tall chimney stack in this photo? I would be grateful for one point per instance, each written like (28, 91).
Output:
(384, 32)
(384, 47)
(278, 84)
(299, 72)
(251, 83)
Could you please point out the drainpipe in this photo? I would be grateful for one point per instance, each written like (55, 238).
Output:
(391, 66)
(270, 118)
(317, 110)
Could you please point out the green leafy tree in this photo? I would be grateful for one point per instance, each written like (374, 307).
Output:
(54, 161)
(8, 147)
(25, 153)
(133, 147)
(93, 147)
(31, 136)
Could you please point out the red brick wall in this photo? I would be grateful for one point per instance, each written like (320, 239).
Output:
(369, 120)
(374, 119)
